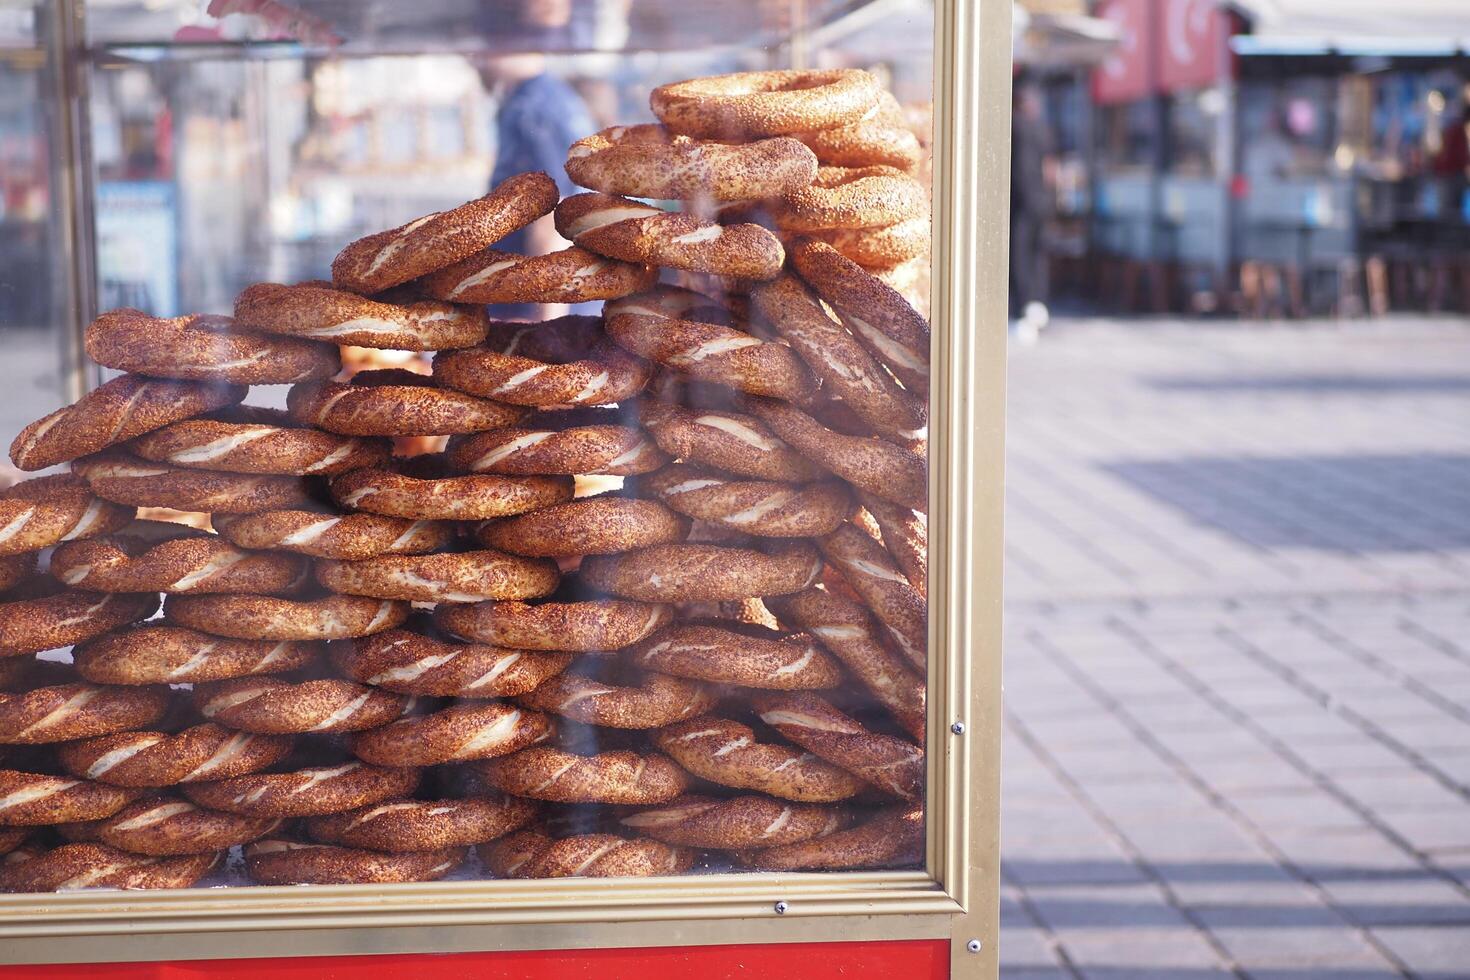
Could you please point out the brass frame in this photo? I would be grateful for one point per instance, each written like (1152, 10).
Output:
(956, 898)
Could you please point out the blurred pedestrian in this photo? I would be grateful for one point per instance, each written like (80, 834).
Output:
(1030, 207)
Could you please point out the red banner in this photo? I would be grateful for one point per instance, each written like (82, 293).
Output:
(1191, 42)
(1128, 74)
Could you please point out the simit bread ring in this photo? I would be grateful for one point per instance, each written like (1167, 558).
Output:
(476, 730)
(866, 567)
(744, 656)
(544, 773)
(16, 569)
(883, 247)
(163, 827)
(157, 556)
(582, 627)
(288, 862)
(63, 712)
(48, 510)
(318, 312)
(891, 764)
(657, 700)
(411, 663)
(121, 409)
(29, 799)
(268, 705)
(380, 490)
(326, 534)
(598, 525)
(395, 402)
(119, 477)
(566, 361)
(740, 822)
(876, 313)
(881, 136)
(847, 198)
(388, 258)
(704, 572)
(205, 348)
(150, 654)
(849, 631)
(892, 838)
(634, 232)
(657, 325)
(749, 104)
(12, 837)
(466, 576)
(258, 441)
(304, 793)
(73, 866)
(202, 752)
(579, 441)
(727, 441)
(905, 535)
(847, 370)
(649, 161)
(52, 621)
(727, 753)
(534, 854)
(572, 275)
(258, 617)
(779, 510)
(868, 463)
(423, 825)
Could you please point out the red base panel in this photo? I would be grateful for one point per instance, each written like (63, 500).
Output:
(924, 959)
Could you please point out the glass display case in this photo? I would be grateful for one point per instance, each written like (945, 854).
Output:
(503, 475)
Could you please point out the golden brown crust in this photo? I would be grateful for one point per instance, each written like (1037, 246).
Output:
(744, 657)
(328, 534)
(380, 490)
(12, 837)
(266, 446)
(15, 569)
(119, 410)
(657, 700)
(388, 258)
(29, 799)
(162, 826)
(545, 773)
(205, 348)
(847, 198)
(306, 792)
(704, 572)
(271, 706)
(871, 573)
(894, 837)
(891, 764)
(316, 312)
(726, 752)
(749, 104)
(581, 627)
(157, 556)
(571, 275)
(591, 526)
(49, 510)
(610, 450)
(395, 403)
(739, 822)
(424, 825)
(880, 137)
(277, 861)
(257, 617)
(126, 479)
(758, 507)
(889, 245)
(410, 663)
(151, 654)
(49, 622)
(466, 576)
(63, 712)
(728, 441)
(201, 752)
(649, 161)
(463, 732)
(533, 854)
(74, 866)
(905, 535)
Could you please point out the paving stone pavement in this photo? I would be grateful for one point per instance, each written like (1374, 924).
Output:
(1237, 673)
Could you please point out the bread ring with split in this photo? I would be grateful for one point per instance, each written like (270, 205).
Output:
(852, 635)
(74, 866)
(650, 162)
(905, 535)
(631, 231)
(739, 822)
(258, 617)
(202, 752)
(893, 837)
(258, 441)
(534, 854)
(388, 258)
(704, 572)
(276, 861)
(158, 556)
(884, 247)
(466, 576)
(659, 325)
(49, 510)
(571, 275)
(149, 654)
(305, 792)
(579, 441)
(411, 663)
(566, 361)
(380, 490)
(581, 627)
(880, 137)
(727, 441)
(395, 402)
(424, 825)
(270, 706)
(891, 764)
(869, 463)
(726, 752)
(205, 348)
(600, 525)
(126, 479)
(319, 312)
(460, 733)
(161, 826)
(656, 700)
(62, 712)
(749, 104)
(872, 574)
(743, 656)
(545, 773)
(762, 508)
(327, 534)
(53, 621)
(848, 198)
(121, 409)
(31, 799)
